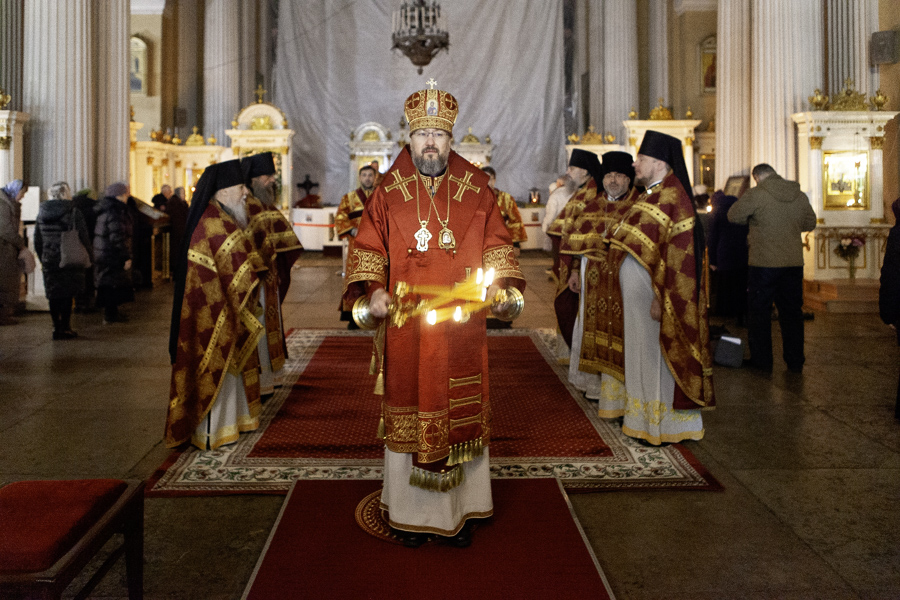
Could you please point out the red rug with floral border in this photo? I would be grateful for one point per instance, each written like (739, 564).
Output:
(321, 425)
(533, 547)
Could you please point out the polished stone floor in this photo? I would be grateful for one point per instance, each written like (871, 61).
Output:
(810, 463)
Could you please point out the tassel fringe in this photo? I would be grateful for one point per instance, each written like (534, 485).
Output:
(381, 429)
(436, 482)
(465, 452)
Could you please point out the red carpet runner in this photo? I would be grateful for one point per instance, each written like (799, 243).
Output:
(331, 411)
(531, 548)
(323, 427)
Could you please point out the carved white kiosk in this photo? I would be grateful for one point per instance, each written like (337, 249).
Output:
(263, 127)
(682, 129)
(370, 141)
(840, 168)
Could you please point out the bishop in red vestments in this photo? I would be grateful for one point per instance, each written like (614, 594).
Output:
(433, 220)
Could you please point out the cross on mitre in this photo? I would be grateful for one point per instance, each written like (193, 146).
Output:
(431, 82)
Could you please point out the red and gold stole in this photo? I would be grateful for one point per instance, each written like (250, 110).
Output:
(512, 218)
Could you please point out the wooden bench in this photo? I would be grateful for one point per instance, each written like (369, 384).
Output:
(49, 531)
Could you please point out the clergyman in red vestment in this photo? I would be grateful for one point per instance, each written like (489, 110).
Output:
(277, 245)
(433, 221)
(668, 367)
(346, 224)
(597, 357)
(214, 392)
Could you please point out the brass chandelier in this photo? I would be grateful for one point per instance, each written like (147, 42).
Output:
(418, 31)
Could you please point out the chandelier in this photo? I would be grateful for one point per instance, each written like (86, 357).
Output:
(418, 31)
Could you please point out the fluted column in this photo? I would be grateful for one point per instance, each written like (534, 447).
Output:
(732, 73)
(11, 50)
(620, 76)
(788, 49)
(658, 51)
(849, 27)
(189, 69)
(111, 104)
(221, 68)
(249, 52)
(57, 92)
(595, 64)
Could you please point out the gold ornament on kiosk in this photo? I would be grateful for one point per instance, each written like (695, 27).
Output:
(443, 303)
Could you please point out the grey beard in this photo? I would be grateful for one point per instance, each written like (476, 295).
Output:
(264, 193)
(430, 166)
(571, 186)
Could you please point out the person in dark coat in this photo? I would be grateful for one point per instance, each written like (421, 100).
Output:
(162, 198)
(142, 242)
(728, 258)
(61, 284)
(112, 253)
(177, 209)
(85, 204)
(889, 293)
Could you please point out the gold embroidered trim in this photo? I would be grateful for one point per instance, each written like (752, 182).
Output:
(473, 420)
(202, 259)
(457, 402)
(682, 226)
(465, 381)
(655, 213)
(645, 241)
(503, 261)
(367, 266)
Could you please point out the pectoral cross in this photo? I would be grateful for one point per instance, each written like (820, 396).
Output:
(401, 182)
(464, 186)
(260, 92)
(431, 82)
(422, 236)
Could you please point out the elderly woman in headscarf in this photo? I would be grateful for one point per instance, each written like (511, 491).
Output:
(61, 284)
(889, 293)
(12, 244)
(112, 253)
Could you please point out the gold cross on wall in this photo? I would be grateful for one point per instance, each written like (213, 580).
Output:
(401, 182)
(431, 82)
(464, 186)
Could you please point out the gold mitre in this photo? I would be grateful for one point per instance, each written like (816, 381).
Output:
(431, 109)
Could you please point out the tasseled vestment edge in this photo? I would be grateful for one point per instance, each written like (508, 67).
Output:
(436, 482)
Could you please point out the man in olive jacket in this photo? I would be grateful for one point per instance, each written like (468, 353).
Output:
(778, 212)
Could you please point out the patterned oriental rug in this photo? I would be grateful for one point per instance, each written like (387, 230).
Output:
(533, 547)
(322, 425)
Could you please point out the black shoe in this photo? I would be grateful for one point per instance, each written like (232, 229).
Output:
(68, 334)
(795, 369)
(463, 539)
(410, 539)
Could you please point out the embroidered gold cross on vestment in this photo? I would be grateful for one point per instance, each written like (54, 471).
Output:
(463, 186)
(401, 183)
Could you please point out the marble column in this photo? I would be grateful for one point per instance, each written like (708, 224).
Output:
(58, 92)
(189, 68)
(11, 50)
(595, 64)
(658, 52)
(733, 90)
(787, 48)
(850, 24)
(111, 106)
(620, 75)
(249, 52)
(221, 69)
